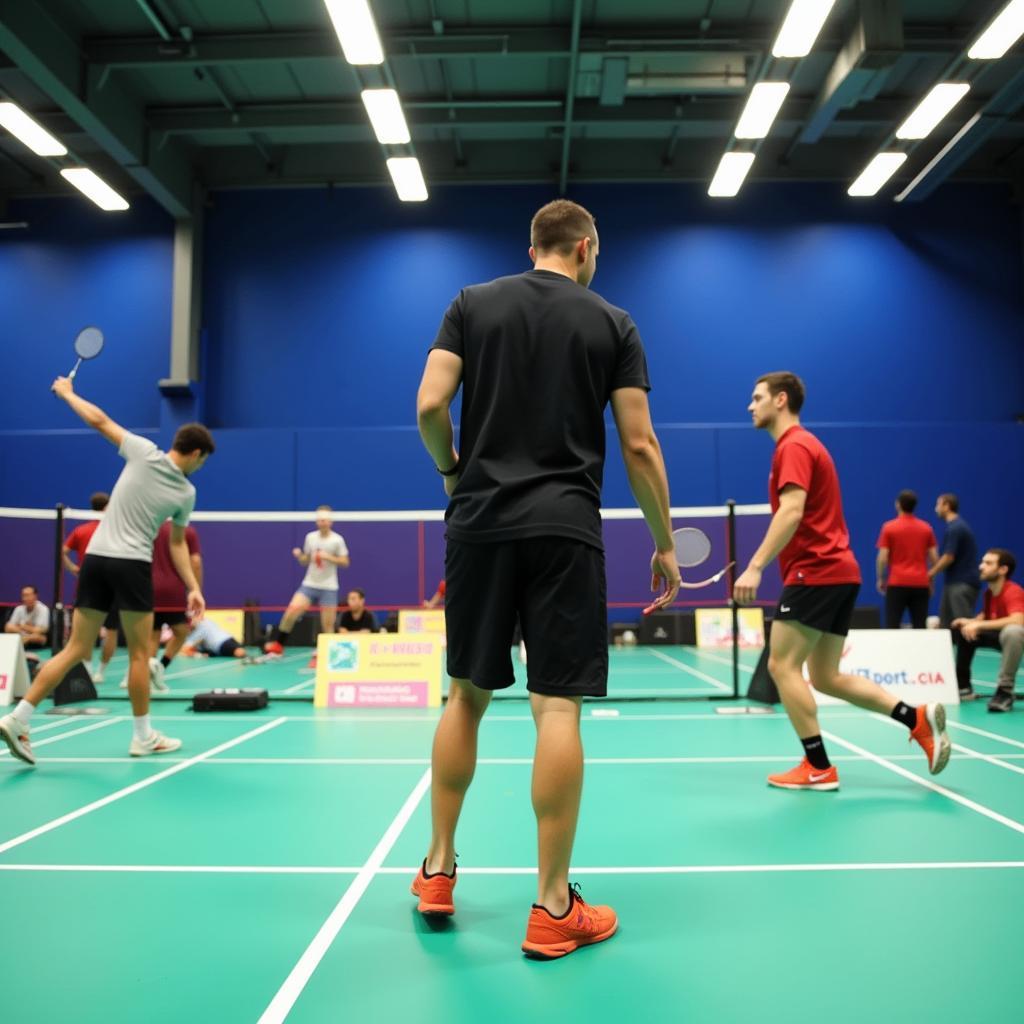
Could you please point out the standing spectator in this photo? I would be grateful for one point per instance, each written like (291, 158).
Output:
(31, 619)
(357, 618)
(78, 542)
(999, 626)
(959, 561)
(906, 546)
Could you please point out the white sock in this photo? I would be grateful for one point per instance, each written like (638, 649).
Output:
(140, 723)
(23, 712)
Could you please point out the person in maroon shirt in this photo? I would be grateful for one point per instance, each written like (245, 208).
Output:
(1000, 626)
(821, 579)
(907, 549)
(77, 542)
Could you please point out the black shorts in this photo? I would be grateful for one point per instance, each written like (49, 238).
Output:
(555, 587)
(170, 618)
(113, 620)
(122, 583)
(228, 648)
(827, 608)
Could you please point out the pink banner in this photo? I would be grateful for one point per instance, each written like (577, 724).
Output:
(377, 695)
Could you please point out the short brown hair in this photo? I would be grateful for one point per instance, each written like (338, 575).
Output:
(951, 500)
(1005, 558)
(790, 383)
(907, 501)
(192, 436)
(99, 501)
(560, 225)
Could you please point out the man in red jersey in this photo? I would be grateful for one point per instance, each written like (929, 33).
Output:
(78, 542)
(907, 549)
(821, 579)
(1000, 626)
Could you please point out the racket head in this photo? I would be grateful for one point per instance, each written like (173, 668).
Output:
(693, 546)
(89, 343)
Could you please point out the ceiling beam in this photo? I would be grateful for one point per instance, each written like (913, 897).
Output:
(50, 58)
(570, 93)
(216, 49)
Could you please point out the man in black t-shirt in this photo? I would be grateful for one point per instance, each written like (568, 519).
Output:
(538, 357)
(357, 618)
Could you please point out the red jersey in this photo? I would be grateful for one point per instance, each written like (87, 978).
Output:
(168, 588)
(908, 540)
(819, 552)
(1009, 602)
(79, 537)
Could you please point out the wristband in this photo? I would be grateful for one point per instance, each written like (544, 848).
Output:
(448, 472)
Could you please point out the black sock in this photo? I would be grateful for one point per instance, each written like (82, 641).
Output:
(557, 917)
(814, 748)
(906, 714)
(165, 661)
(434, 874)
(280, 635)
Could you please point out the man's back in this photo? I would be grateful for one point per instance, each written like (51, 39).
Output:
(541, 355)
(960, 543)
(908, 540)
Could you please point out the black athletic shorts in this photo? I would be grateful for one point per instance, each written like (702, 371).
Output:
(827, 608)
(113, 620)
(556, 588)
(122, 583)
(169, 618)
(228, 648)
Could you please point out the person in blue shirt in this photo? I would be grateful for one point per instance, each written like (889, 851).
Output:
(959, 561)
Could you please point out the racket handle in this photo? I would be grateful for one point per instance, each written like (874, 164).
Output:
(71, 375)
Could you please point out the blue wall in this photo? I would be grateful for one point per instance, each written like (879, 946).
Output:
(906, 322)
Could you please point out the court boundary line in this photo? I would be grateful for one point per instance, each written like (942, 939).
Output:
(686, 668)
(987, 812)
(120, 794)
(984, 732)
(67, 735)
(671, 869)
(292, 987)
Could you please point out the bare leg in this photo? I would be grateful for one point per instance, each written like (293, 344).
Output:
(180, 632)
(328, 617)
(823, 665)
(138, 626)
(791, 645)
(454, 762)
(557, 788)
(108, 648)
(85, 627)
(297, 607)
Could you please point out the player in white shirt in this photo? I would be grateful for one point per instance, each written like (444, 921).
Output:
(322, 552)
(117, 571)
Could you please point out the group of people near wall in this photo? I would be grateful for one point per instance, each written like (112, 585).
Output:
(908, 562)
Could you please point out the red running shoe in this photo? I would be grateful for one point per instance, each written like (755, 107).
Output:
(435, 892)
(548, 938)
(930, 734)
(273, 647)
(806, 776)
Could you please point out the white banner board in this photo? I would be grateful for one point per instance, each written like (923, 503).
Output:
(14, 677)
(914, 665)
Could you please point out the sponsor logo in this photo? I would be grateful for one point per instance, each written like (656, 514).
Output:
(343, 656)
(818, 778)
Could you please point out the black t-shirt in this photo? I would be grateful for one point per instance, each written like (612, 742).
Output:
(541, 356)
(354, 625)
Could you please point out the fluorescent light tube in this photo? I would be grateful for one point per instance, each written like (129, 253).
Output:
(732, 169)
(385, 111)
(801, 27)
(357, 31)
(408, 178)
(95, 188)
(762, 107)
(25, 130)
(1006, 28)
(876, 174)
(932, 109)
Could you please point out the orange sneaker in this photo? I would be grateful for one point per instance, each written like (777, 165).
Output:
(548, 938)
(930, 734)
(435, 892)
(806, 776)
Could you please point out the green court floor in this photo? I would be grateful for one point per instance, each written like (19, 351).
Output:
(262, 874)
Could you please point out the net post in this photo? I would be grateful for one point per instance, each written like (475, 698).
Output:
(731, 533)
(57, 615)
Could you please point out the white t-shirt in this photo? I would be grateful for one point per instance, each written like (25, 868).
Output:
(38, 617)
(149, 490)
(320, 573)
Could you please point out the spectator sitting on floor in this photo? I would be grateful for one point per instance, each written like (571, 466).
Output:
(210, 639)
(30, 620)
(357, 618)
(999, 626)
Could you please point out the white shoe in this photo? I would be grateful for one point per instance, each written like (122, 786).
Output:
(97, 676)
(156, 676)
(124, 683)
(156, 744)
(522, 651)
(15, 735)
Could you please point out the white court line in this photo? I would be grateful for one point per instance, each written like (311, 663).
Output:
(282, 1003)
(135, 787)
(749, 669)
(224, 664)
(680, 869)
(686, 668)
(985, 733)
(928, 784)
(67, 735)
(300, 686)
